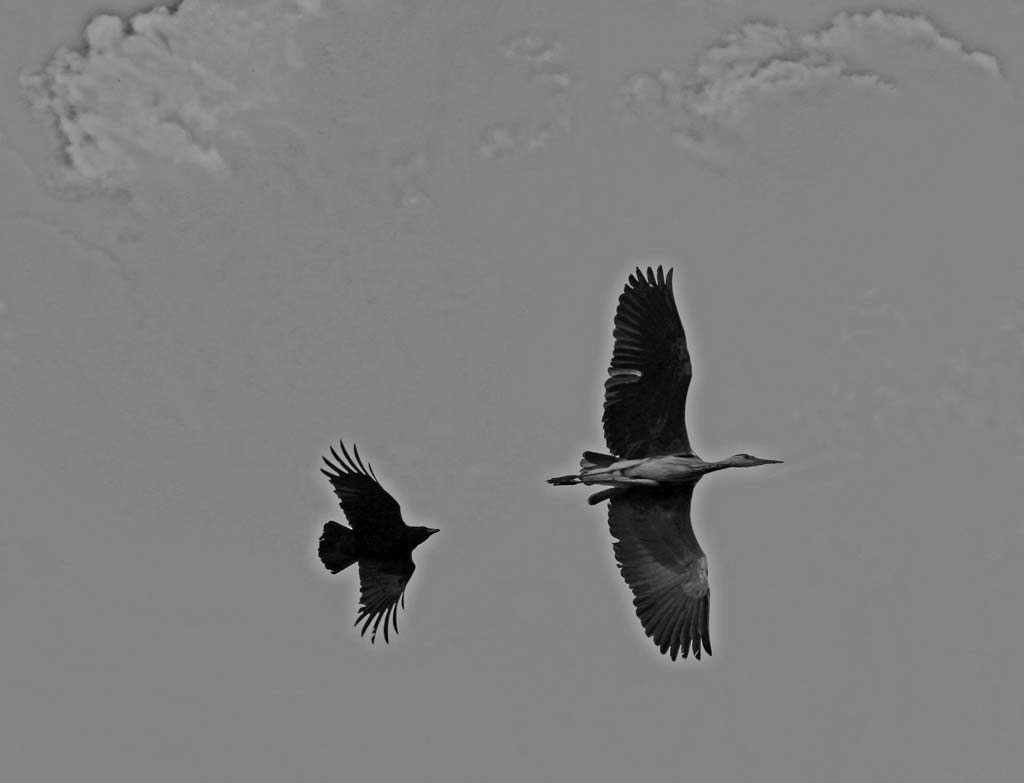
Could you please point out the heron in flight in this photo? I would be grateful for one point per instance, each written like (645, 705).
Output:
(652, 474)
(379, 540)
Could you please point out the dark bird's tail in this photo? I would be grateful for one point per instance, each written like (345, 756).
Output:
(337, 544)
(562, 481)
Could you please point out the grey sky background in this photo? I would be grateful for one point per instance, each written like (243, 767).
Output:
(235, 235)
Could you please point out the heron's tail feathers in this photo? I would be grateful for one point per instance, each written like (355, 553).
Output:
(594, 459)
(592, 462)
(562, 481)
(337, 547)
(604, 494)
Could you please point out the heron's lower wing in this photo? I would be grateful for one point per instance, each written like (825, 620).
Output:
(664, 566)
(382, 585)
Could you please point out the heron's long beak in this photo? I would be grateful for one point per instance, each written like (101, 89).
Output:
(771, 462)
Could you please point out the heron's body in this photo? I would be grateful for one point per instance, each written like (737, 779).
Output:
(652, 471)
(659, 471)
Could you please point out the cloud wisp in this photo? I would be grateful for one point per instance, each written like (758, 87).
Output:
(760, 59)
(848, 31)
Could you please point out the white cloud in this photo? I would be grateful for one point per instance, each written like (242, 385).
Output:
(164, 83)
(847, 31)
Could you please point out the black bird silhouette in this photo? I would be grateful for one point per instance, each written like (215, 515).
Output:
(655, 470)
(379, 540)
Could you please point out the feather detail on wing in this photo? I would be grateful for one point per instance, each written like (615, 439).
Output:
(664, 566)
(649, 376)
(367, 505)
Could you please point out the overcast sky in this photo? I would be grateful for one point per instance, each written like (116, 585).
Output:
(239, 232)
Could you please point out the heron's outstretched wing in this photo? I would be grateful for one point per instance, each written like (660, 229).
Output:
(381, 586)
(663, 565)
(645, 393)
(367, 505)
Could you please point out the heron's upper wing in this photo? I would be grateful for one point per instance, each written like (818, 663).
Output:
(663, 565)
(645, 393)
(381, 586)
(366, 504)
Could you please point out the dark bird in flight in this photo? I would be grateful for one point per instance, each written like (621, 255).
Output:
(654, 470)
(379, 540)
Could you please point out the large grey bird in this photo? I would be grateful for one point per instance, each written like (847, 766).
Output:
(379, 540)
(654, 470)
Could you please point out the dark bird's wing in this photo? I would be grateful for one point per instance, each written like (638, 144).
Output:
(381, 586)
(367, 505)
(645, 394)
(663, 565)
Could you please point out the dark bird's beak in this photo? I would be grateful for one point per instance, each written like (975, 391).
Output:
(432, 530)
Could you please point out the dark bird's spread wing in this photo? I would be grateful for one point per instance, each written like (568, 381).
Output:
(367, 505)
(663, 565)
(645, 394)
(381, 586)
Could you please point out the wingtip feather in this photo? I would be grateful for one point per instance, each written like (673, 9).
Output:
(359, 459)
(348, 458)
